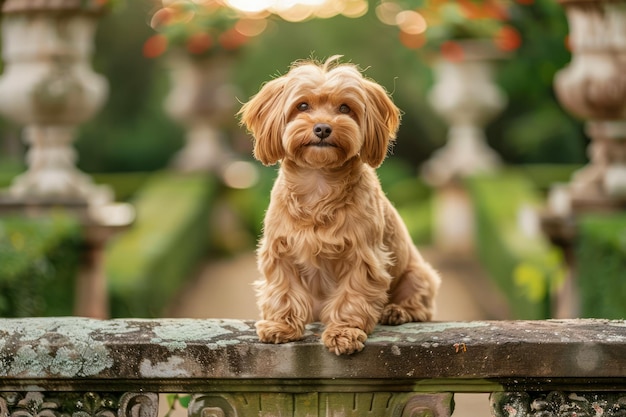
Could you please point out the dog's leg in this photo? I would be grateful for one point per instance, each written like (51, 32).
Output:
(412, 296)
(353, 311)
(285, 305)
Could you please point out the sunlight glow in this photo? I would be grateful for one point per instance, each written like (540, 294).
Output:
(387, 12)
(250, 6)
(411, 22)
(240, 174)
(299, 10)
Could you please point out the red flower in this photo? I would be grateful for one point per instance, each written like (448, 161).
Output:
(199, 42)
(507, 38)
(567, 42)
(412, 41)
(483, 10)
(155, 46)
(232, 39)
(452, 51)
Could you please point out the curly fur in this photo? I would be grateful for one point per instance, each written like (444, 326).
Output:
(334, 248)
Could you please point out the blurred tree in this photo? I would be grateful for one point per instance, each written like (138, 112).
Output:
(534, 127)
(132, 132)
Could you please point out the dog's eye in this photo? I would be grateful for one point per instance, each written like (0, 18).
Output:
(344, 109)
(303, 106)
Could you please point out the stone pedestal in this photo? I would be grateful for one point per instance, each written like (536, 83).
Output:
(48, 86)
(466, 96)
(202, 99)
(593, 87)
(453, 220)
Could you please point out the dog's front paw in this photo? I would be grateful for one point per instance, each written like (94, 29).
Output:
(394, 315)
(344, 340)
(277, 332)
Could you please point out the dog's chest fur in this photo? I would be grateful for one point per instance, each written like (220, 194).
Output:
(324, 220)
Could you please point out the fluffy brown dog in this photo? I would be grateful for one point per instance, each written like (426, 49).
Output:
(334, 248)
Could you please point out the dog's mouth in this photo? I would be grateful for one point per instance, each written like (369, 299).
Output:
(321, 144)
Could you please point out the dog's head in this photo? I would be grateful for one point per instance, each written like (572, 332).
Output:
(321, 116)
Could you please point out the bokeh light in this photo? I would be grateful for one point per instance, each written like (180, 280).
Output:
(240, 174)
(411, 22)
(440, 23)
(299, 10)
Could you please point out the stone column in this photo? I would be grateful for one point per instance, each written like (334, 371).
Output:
(202, 98)
(49, 87)
(593, 87)
(466, 96)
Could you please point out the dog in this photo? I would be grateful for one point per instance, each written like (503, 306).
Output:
(333, 249)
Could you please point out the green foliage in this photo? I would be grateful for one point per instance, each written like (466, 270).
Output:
(176, 399)
(203, 29)
(250, 203)
(38, 263)
(411, 197)
(132, 132)
(148, 264)
(124, 184)
(101, 4)
(446, 21)
(600, 265)
(534, 128)
(543, 176)
(524, 266)
(536, 278)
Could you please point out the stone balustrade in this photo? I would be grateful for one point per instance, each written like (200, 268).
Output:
(77, 367)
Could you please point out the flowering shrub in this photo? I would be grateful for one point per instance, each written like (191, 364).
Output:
(100, 4)
(201, 27)
(439, 24)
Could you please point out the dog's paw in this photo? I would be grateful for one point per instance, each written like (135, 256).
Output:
(344, 340)
(394, 315)
(277, 332)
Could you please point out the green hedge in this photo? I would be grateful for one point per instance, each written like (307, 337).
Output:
(526, 268)
(544, 176)
(411, 197)
(601, 265)
(38, 262)
(147, 265)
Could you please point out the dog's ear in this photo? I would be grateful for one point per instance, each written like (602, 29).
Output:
(382, 119)
(264, 117)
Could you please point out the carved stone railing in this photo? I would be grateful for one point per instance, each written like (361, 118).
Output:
(73, 367)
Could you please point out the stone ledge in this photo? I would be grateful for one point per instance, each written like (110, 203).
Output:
(200, 355)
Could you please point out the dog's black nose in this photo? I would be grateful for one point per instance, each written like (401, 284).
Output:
(322, 130)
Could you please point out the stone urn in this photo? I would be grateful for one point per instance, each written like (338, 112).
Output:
(202, 99)
(593, 87)
(467, 98)
(48, 86)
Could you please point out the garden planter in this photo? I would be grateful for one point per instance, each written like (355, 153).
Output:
(203, 100)
(49, 87)
(466, 96)
(593, 87)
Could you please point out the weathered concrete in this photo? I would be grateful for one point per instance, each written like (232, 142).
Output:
(174, 354)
